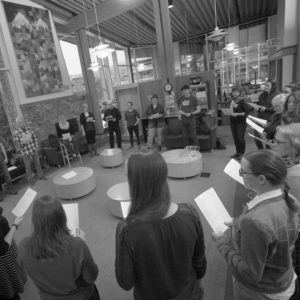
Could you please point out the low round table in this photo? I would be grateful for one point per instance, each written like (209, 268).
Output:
(116, 194)
(74, 182)
(112, 157)
(183, 163)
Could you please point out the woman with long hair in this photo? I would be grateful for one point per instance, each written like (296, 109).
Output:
(258, 245)
(60, 265)
(160, 248)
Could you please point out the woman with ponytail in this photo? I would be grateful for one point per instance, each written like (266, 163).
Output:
(258, 245)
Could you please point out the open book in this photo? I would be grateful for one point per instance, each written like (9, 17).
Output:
(213, 210)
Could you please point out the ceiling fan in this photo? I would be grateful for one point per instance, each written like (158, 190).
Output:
(217, 33)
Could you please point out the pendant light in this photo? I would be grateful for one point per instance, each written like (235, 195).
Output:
(101, 50)
(217, 34)
(229, 46)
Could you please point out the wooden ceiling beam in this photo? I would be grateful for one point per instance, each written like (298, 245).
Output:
(104, 11)
(54, 8)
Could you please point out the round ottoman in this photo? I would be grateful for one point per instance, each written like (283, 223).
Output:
(183, 163)
(74, 182)
(111, 157)
(116, 194)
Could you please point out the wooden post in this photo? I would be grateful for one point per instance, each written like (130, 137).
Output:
(88, 76)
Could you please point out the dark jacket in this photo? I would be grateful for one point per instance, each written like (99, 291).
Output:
(112, 113)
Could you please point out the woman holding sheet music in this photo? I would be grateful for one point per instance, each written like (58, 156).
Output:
(258, 245)
(160, 246)
(240, 109)
(60, 265)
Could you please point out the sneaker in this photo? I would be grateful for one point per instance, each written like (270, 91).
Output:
(235, 155)
(42, 177)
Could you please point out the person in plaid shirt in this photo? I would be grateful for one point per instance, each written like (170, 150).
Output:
(4, 170)
(27, 145)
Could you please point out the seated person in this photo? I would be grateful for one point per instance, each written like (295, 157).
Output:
(67, 136)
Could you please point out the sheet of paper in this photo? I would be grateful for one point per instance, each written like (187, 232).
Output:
(265, 141)
(259, 121)
(24, 203)
(66, 136)
(125, 206)
(254, 126)
(213, 210)
(69, 175)
(232, 169)
(11, 168)
(72, 214)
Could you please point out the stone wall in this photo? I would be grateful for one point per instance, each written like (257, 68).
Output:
(43, 115)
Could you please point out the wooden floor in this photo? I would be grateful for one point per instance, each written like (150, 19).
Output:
(99, 225)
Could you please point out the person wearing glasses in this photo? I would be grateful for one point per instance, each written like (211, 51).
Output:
(258, 245)
(287, 144)
(265, 106)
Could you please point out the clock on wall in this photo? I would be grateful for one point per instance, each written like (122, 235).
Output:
(168, 87)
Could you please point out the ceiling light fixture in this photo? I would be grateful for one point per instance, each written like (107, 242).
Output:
(170, 3)
(102, 50)
(217, 34)
(229, 46)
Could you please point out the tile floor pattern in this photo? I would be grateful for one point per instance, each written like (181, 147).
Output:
(99, 225)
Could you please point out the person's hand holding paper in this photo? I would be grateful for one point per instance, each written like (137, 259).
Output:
(213, 210)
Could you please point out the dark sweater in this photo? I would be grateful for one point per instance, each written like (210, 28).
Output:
(265, 99)
(241, 107)
(70, 276)
(161, 259)
(112, 113)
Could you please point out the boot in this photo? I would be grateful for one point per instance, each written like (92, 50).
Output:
(95, 150)
(91, 150)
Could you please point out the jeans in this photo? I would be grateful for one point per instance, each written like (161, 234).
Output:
(112, 128)
(27, 162)
(152, 132)
(238, 134)
(188, 127)
(136, 131)
(4, 169)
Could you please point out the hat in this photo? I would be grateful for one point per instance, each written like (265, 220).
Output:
(154, 96)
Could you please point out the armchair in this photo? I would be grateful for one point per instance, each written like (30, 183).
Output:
(207, 131)
(172, 134)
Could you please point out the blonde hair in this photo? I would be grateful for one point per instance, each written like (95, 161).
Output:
(279, 99)
(292, 133)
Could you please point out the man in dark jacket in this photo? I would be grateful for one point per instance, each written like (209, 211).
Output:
(112, 116)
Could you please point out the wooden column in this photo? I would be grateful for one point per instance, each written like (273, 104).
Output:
(88, 76)
(164, 40)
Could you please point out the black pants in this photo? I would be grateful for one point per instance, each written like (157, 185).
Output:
(95, 295)
(188, 127)
(238, 134)
(114, 128)
(90, 136)
(136, 131)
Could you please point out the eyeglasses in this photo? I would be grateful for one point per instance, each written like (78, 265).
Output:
(242, 172)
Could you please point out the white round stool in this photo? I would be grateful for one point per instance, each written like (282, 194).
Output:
(183, 163)
(117, 194)
(111, 157)
(74, 182)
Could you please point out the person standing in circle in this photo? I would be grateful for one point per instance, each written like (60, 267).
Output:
(188, 108)
(132, 119)
(160, 250)
(112, 116)
(155, 113)
(87, 122)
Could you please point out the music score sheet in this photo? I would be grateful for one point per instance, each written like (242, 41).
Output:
(213, 210)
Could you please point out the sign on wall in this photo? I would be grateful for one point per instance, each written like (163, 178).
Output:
(35, 50)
